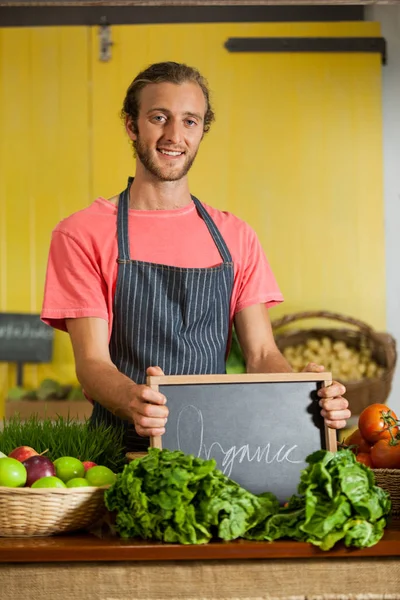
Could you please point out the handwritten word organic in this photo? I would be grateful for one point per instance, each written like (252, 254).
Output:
(230, 455)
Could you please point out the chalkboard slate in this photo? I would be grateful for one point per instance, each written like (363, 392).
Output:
(259, 431)
(24, 338)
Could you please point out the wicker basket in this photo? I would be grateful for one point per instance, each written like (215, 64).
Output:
(27, 512)
(389, 480)
(364, 392)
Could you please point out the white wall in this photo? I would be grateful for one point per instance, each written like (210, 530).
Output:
(389, 17)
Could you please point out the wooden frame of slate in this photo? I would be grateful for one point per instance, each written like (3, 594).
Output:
(259, 428)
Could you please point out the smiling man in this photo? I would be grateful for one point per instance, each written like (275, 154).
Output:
(167, 158)
(152, 280)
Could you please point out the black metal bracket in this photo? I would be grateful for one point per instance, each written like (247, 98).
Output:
(308, 44)
(89, 12)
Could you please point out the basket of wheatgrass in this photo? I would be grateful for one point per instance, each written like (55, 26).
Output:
(53, 474)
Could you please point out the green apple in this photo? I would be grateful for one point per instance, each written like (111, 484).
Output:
(99, 476)
(49, 482)
(77, 482)
(12, 473)
(68, 468)
(2, 455)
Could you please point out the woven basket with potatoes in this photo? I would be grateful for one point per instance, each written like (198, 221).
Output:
(358, 356)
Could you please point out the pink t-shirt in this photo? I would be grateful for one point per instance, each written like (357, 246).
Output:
(82, 268)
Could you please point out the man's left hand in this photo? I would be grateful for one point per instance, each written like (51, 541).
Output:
(334, 407)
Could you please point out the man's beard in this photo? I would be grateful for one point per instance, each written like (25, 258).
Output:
(162, 174)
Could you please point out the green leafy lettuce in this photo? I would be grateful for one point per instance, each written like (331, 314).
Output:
(338, 500)
(173, 497)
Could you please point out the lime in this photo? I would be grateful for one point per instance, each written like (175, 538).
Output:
(99, 476)
(77, 482)
(48, 482)
(68, 468)
(12, 473)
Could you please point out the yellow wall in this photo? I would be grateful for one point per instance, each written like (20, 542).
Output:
(295, 151)
(45, 166)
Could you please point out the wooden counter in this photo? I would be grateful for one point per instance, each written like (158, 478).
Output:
(84, 567)
(83, 547)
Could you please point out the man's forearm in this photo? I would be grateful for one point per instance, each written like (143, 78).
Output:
(273, 362)
(108, 386)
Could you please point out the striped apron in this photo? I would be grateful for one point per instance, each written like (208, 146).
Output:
(171, 317)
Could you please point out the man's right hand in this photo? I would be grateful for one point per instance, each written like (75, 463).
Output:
(148, 408)
(102, 381)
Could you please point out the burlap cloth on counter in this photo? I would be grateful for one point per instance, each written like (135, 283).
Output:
(299, 579)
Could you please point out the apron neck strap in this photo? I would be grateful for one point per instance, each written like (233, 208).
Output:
(122, 224)
(214, 232)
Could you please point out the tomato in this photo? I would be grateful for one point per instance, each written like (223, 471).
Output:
(356, 439)
(364, 458)
(386, 455)
(375, 423)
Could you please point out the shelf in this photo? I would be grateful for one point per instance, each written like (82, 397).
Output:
(79, 409)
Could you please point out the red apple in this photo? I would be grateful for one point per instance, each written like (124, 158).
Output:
(38, 467)
(88, 464)
(22, 453)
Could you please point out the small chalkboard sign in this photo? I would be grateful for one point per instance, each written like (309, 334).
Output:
(259, 428)
(24, 338)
